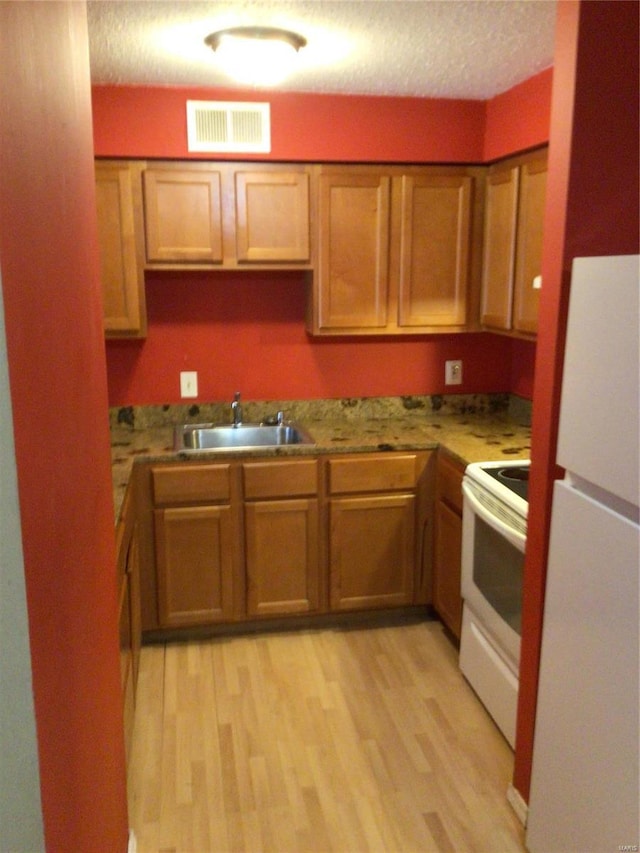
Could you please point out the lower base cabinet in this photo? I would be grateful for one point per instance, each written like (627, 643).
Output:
(282, 537)
(258, 538)
(128, 609)
(195, 544)
(373, 553)
(447, 598)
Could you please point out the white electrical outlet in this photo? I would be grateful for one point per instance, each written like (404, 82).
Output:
(188, 383)
(453, 372)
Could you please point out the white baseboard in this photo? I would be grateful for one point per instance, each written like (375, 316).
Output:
(133, 844)
(517, 804)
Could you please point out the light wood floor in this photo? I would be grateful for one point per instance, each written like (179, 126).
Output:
(366, 739)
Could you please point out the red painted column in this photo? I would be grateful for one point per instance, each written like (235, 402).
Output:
(57, 373)
(591, 209)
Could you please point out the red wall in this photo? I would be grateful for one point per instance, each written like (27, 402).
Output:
(523, 356)
(591, 209)
(247, 331)
(519, 118)
(48, 252)
(151, 122)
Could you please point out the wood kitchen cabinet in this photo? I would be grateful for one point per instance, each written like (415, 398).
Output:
(282, 537)
(512, 255)
(256, 538)
(121, 244)
(373, 553)
(351, 282)
(435, 250)
(227, 215)
(272, 215)
(398, 250)
(195, 541)
(183, 213)
(447, 599)
(128, 608)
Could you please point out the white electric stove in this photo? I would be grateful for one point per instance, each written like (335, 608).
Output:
(494, 534)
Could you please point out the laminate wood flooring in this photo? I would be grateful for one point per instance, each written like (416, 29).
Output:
(346, 740)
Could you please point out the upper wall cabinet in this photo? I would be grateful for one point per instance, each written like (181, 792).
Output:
(352, 274)
(435, 249)
(398, 250)
(183, 214)
(272, 223)
(512, 255)
(120, 238)
(226, 215)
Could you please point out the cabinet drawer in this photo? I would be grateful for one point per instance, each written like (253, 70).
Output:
(280, 479)
(376, 473)
(450, 483)
(191, 483)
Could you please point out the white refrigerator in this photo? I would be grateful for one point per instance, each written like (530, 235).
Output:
(584, 787)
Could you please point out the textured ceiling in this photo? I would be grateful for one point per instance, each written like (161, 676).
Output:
(438, 48)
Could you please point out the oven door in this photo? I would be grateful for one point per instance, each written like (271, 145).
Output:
(492, 569)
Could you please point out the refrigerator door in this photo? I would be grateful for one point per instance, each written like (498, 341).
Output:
(584, 787)
(598, 428)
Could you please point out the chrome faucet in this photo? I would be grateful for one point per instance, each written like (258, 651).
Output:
(236, 409)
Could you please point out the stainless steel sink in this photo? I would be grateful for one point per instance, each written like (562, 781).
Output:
(200, 437)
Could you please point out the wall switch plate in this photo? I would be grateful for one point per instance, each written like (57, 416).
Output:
(453, 372)
(189, 383)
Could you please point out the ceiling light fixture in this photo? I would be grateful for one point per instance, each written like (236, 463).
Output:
(256, 55)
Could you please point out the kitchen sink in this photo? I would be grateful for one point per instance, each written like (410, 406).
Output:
(201, 437)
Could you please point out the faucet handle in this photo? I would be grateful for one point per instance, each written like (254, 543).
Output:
(236, 409)
(274, 420)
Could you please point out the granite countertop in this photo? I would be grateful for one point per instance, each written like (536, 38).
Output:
(476, 428)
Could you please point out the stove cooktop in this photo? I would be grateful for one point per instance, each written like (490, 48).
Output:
(506, 481)
(514, 477)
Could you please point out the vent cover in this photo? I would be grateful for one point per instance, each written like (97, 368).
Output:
(238, 126)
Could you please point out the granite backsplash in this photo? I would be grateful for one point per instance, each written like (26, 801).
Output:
(308, 411)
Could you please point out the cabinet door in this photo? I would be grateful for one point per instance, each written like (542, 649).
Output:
(194, 558)
(533, 184)
(133, 589)
(434, 254)
(127, 545)
(126, 666)
(499, 246)
(282, 556)
(447, 599)
(272, 217)
(371, 551)
(353, 264)
(120, 240)
(183, 215)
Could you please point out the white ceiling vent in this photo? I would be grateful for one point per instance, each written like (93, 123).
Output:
(238, 126)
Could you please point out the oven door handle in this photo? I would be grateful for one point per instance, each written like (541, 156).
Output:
(514, 536)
